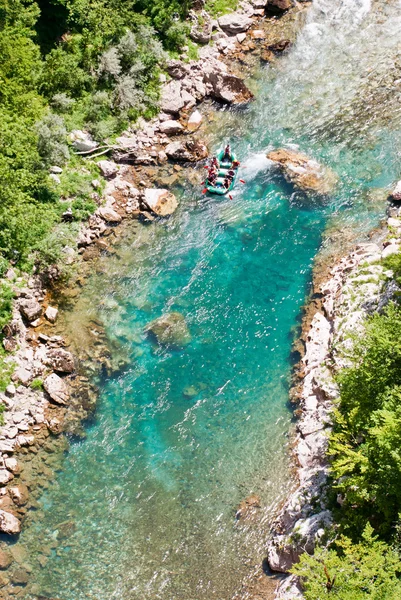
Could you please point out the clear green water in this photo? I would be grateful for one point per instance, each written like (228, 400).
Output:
(154, 487)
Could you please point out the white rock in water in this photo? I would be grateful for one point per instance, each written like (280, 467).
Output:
(171, 127)
(161, 202)
(56, 388)
(109, 214)
(107, 167)
(194, 121)
(51, 314)
(8, 523)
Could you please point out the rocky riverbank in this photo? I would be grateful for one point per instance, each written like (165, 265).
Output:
(51, 391)
(355, 287)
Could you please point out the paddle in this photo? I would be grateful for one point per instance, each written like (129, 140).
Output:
(242, 181)
(229, 195)
(204, 191)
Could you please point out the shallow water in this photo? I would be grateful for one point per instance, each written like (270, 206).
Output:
(183, 435)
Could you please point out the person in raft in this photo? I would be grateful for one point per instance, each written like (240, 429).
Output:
(215, 163)
(212, 177)
(227, 153)
(235, 164)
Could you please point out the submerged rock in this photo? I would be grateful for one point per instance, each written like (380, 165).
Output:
(228, 88)
(194, 121)
(170, 330)
(6, 559)
(161, 202)
(51, 314)
(304, 172)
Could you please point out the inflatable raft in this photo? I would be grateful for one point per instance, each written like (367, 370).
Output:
(224, 167)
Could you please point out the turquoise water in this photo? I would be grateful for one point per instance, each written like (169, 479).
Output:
(183, 435)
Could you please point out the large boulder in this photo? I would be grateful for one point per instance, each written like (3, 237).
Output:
(109, 214)
(107, 167)
(171, 127)
(234, 23)
(19, 494)
(170, 330)
(9, 523)
(172, 100)
(61, 360)
(190, 150)
(82, 141)
(304, 172)
(51, 314)
(194, 121)
(278, 7)
(201, 30)
(228, 88)
(56, 388)
(161, 202)
(30, 309)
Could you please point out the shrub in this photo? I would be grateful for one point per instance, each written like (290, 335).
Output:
(37, 384)
(6, 304)
(109, 64)
(368, 569)
(62, 103)
(52, 135)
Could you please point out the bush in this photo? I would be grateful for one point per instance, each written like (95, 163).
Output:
(368, 569)
(52, 136)
(37, 384)
(62, 103)
(6, 304)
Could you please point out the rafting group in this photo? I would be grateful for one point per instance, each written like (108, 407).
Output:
(222, 172)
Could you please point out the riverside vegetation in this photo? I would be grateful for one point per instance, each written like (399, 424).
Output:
(96, 64)
(361, 554)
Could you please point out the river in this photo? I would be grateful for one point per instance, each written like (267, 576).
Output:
(181, 436)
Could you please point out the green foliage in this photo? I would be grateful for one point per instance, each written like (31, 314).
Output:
(37, 384)
(52, 135)
(219, 7)
(368, 569)
(366, 442)
(6, 370)
(393, 262)
(6, 298)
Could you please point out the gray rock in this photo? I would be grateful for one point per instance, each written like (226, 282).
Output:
(82, 141)
(107, 168)
(30, 309)
(234, 23)
(23, 375)
(61, 360)
(9, 523)
(109, 214)
(278, 6)
(194, 121)
(190, 150)
(56, 170)
(177, 69)
(171, 127)
(228, 88)
(5, 476)
(171, 100)
(51, 314)
(56, 388)
(161, 202)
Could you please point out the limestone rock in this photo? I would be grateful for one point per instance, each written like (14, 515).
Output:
(30, 309)
(109, 214)
(278, 6)
(396, 193)
(194, 121)
(13, 465)
(171, 100)
(19, 494)
(304, 172)
(177, 69)
(161, 202)
(247, 507)
(82, 141)
(56, 388)
(228, 88)
(55, 169)
(201, 30)
(51, 314)
(190, 150)
(6, 559)
(5, 476)
(289, 589)
(22, 375)
(171, 127)
(234, 23)
(107, 168)
(61, 360)
(170, 330)
(9, 523)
